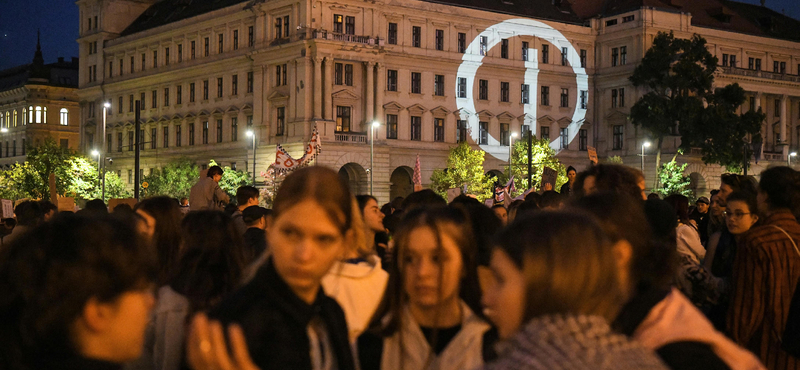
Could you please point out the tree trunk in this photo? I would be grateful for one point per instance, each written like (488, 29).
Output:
(658, 163)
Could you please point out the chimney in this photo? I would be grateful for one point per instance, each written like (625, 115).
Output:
(60, 60)
(762, 2)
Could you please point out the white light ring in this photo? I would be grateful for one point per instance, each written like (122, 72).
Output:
(472, 60)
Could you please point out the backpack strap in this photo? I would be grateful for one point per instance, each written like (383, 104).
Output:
(788, 236)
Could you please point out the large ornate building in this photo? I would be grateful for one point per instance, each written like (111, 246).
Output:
(430, 74)
(38, 101)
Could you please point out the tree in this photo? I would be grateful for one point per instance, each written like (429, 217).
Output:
(679, 74)
(464, 167)
(541, 155)
(672, 179)
(174, 180)
(232, 179)
(47, 158)
(86, 183)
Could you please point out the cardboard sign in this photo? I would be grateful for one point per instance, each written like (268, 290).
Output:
(8, 208)
(592, 154)
(115, 202)
(452, 193)
(549, 176)
(66, 204)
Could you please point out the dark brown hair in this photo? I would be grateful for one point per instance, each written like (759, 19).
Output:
(322, 185)
(167, 235)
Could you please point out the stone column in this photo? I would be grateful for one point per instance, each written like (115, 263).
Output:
(308, 89)
(370, 90)
(328, 98)
(379, 94)
(317, 87)
(292, 82)
(784, 120)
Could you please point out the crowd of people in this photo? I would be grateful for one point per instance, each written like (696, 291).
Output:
(597, 276)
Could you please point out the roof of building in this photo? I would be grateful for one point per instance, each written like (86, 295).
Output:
(556, 10)
(61, 73)
(169, 11)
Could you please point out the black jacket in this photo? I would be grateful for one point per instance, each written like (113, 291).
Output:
(275, 320)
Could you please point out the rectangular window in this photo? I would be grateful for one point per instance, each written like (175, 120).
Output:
(166, 56)
(545, 95)
(251, 39)
(109, 141)
(391, 80)
(130, 176)
(111, 69)
(782, 68)
(775, 67)
(483, 89)
(438, 85)
(153, 137)
(235, 85)
(338, 74)
(119, 142)
(219, 87)
(545, 133)
(338, 23)
(130, 103)
(349, 25)
(461, 131)
(505, 134)
(777, 103)
(235, 39)
(121, 66)
(348, 74)
(280, 74)
(614, 98)
(280, 121)
(724, 60)
(583, 140)
(564, 138)
(206, 47)
(484, 133)
(144, 61)
(611, 22)
(628, 18)
(504, 91)
(584, 99)
(416, 128)
(119, 105)
(416, 82)
(180, 53)
(564, 98)
(278, 27)
(234, 129)
(462, 87)
(525, 94)
(438, 129)
(132, 59)
(191, 134)
(751, 63)
(484, 50)
(179, 94)
(462, 42)
(342, 119)
(614, 57)
(623, 55)
(563, 56)
(617, 144)
(178, 135)
(525, 48)
(391, 126)
(166, 96)
(545, 54)
(622, 97)
(416, 36)
(205, 132)
(141, 139)
(285, 26)
(154, 100)
(392, 39)
(191, 92)
(249, 82)
(205, 89)
(165, 137)
(439, 39)
(193, 53)
(504, 49)
(219, 130)
(130, 141)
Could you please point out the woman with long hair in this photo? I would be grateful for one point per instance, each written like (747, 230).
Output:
(430, 315)
(162, 220)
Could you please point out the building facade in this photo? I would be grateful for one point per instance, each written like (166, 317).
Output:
(430, 74)
(38, 101)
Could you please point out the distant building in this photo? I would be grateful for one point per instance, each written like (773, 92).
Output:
(38, 101)
(431, 74)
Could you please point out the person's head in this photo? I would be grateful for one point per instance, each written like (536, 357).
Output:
(533, 197)
(215, 173)
(681, 205)
(611, 178)
(779, 188)
(184, 202)
(397, 204)
(551, 200)
(549, 263)
(122, 208)
(304, 251)
(484, 223)
(422, 198)
(28, 213)
(96, 205)
(211, 259)
(717, 206)
(571, 174)
(653, 196)
(528, 206)
(702, 205)
(373, 217)
(512, 210)
(77, 285)
(48, 209)
(162, 220)
(246, 196)
(730, 182)
(256, 216)
(501, 212)
(433, 266)
(741, 212)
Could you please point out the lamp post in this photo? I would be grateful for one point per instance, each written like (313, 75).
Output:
(95, 153)
(644, 145)
(510, 149)
(252, 134)
(102, 152)
(792, 154)
(372, 128)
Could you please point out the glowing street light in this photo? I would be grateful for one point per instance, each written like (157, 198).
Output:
(792, 154)
(646, 144)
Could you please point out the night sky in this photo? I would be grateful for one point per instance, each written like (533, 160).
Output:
(58, 22)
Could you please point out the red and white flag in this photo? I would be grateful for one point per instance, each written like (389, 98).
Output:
(417, 176)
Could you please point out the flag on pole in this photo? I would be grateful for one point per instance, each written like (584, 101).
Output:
(417, 176)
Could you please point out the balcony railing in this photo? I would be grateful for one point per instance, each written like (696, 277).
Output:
(760, 74)
(334, 36)
(350, 137)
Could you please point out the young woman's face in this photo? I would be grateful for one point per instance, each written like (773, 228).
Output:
(373, 217)
(504, 303)
(130, 314)
(305, 243)
(424, 264)
(739, 218)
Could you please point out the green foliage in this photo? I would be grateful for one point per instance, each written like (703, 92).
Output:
(174, 180)
(464, 167)
(613, 160)
(86, 183)
(673, 180)
(541, 155)
(232, 179)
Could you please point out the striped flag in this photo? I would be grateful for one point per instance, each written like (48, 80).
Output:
(417, 176)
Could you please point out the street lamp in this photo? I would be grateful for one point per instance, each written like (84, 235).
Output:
(646, 144)
(102, 153)
(251, 133)
(95, 153)
(510, 146)
(372, 128)
(792, 154)
(3, 130)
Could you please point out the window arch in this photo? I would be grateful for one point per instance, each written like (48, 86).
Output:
(15, 118)
(30, 114)
(44, 115)
(64, 116)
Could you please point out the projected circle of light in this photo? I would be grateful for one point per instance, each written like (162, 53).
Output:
(472, 61)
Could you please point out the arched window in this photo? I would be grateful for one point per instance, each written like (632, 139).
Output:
(2, 120)
(30, 114)
(44, 115)
(64, 116)
(38, 114)
(24, 114)
(15, 118)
